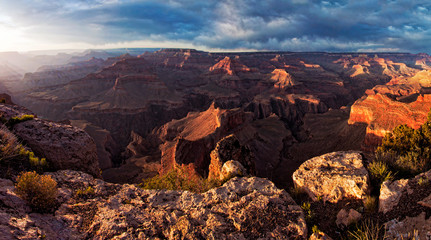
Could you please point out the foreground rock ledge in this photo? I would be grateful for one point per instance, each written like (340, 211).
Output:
(333, 176)
(64, 146)
(243, 208)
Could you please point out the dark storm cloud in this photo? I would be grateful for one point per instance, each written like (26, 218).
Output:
(297, 25)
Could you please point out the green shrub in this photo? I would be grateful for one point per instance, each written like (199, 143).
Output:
(180, 179)
(407, 150)
(412, 163)
(40, 191)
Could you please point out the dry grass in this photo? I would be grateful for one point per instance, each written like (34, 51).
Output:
(367, 230)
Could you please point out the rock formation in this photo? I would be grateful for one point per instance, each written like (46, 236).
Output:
(64, 146)
(242, 208)
(333, 177)
(228, 149)
(107, 149)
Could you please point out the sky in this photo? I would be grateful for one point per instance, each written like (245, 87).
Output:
(217, 25)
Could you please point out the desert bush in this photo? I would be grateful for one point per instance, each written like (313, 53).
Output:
(407, 150)
(40, 191)
(180, 179)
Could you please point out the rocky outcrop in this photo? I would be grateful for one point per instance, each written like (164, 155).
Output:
(64, 146)
(227, 149)
(107, 148)
(191, 139)
(243, 208)
(333, 177)
(282, 79)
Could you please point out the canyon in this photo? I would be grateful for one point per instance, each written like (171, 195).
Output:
(165, 108)
(260, 123)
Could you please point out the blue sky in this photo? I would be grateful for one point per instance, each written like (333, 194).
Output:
(291, 25)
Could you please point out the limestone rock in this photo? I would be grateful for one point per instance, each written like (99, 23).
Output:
(392, 191)
(242, 208)
(227, 149)
(333, 176)
(390, 194)
(232, 169)
(346, 218)
(410, 228)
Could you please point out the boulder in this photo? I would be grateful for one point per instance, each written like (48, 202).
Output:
(390, 194)
(232, 169)
(243, 208)
(333, 177)
(346, 218)
(64, 146)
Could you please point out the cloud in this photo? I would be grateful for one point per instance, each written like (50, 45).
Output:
(292, 25)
